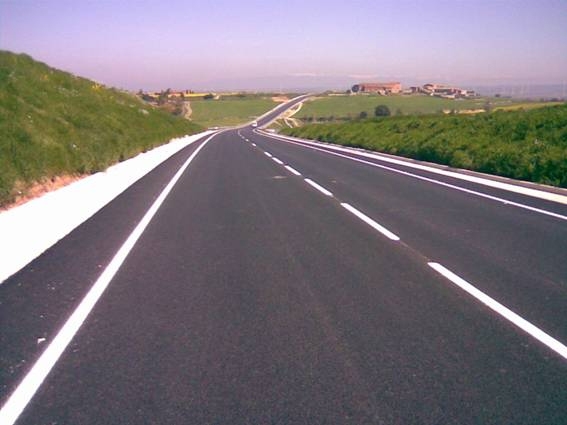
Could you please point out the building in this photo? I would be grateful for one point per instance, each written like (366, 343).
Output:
(379, 88)
(442, 90)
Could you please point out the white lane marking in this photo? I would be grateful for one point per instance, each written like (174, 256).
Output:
(438, 182)
(505, 312)
(318, 187)
(276, 160)
(536, 193)
(292, 170)
(246, 140)
(254, 144)
(268, 154)
(39, 371)
(371, 222)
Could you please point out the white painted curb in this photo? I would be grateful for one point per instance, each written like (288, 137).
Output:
(29, 229)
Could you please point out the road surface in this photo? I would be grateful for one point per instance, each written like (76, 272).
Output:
(277, 282)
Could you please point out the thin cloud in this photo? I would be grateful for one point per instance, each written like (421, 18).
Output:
(363, 76)
(307, 74)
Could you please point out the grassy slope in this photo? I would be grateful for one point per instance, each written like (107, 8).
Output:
(53, 123)
(527, 145)
(345, 106)
(229, 111)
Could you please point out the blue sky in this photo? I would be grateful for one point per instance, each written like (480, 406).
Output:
(290, 44)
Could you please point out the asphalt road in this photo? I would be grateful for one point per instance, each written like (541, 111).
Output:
(255, 296)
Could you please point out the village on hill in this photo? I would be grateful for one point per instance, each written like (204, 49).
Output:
(437, 90)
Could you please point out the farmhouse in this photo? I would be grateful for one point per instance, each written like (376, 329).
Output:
(446, 91)
(380, 88)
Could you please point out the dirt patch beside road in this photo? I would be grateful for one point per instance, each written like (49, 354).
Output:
(37, 189)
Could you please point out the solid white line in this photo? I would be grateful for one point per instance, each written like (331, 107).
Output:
(277, 160)
(430, 180)
(371, 222)
(536, 193)
(39, 371)
(318, 187)
(293, 170)
(494, 305)
(268, 154)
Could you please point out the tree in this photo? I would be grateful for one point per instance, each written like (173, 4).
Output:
(382, 111)
(363, 115)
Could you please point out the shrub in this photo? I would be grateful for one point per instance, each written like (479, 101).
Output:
(382, 111)
(522, 144)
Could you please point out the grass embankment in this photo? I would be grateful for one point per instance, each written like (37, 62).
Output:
(230, 110)
(527, 145)
(53, 123)
(341, 108)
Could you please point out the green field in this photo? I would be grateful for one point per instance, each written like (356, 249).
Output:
(230, 111)
(523, 144)
(349, 107)
(53, 123)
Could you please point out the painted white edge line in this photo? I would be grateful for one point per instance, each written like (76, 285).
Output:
(370, 222)
(535, 193)
(318, 187)
(505, 312)
(430, 180)
(292, 170)
(277, 161)
(24, 392)
(268, 154)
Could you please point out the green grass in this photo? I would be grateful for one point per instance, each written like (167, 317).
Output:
(53, 123)
(524, 144)
(345, 107)
(229, 111)
(525, 106)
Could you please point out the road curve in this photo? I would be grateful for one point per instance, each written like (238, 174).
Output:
(277, 283)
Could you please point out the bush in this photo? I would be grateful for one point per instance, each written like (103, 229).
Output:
(529, 145)
(382, 111)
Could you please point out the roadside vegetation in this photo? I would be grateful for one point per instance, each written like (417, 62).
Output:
(345, 108)
(521, 144)
(56, 124)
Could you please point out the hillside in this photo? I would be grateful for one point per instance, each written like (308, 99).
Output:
(53, 124)
(523, 144)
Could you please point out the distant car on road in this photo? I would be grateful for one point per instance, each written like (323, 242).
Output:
(254, 124)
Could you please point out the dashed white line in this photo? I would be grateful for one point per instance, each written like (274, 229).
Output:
(371, 222)
(505, 312)
(292, 170)
(427, 179)
(318, 187)
(254, 144)
(39, 371)
(268, 154)
(276, 160)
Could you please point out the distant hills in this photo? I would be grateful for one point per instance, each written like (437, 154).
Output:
(53, 123)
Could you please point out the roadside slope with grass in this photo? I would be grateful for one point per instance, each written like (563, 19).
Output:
(524, 144)
(55, 124)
